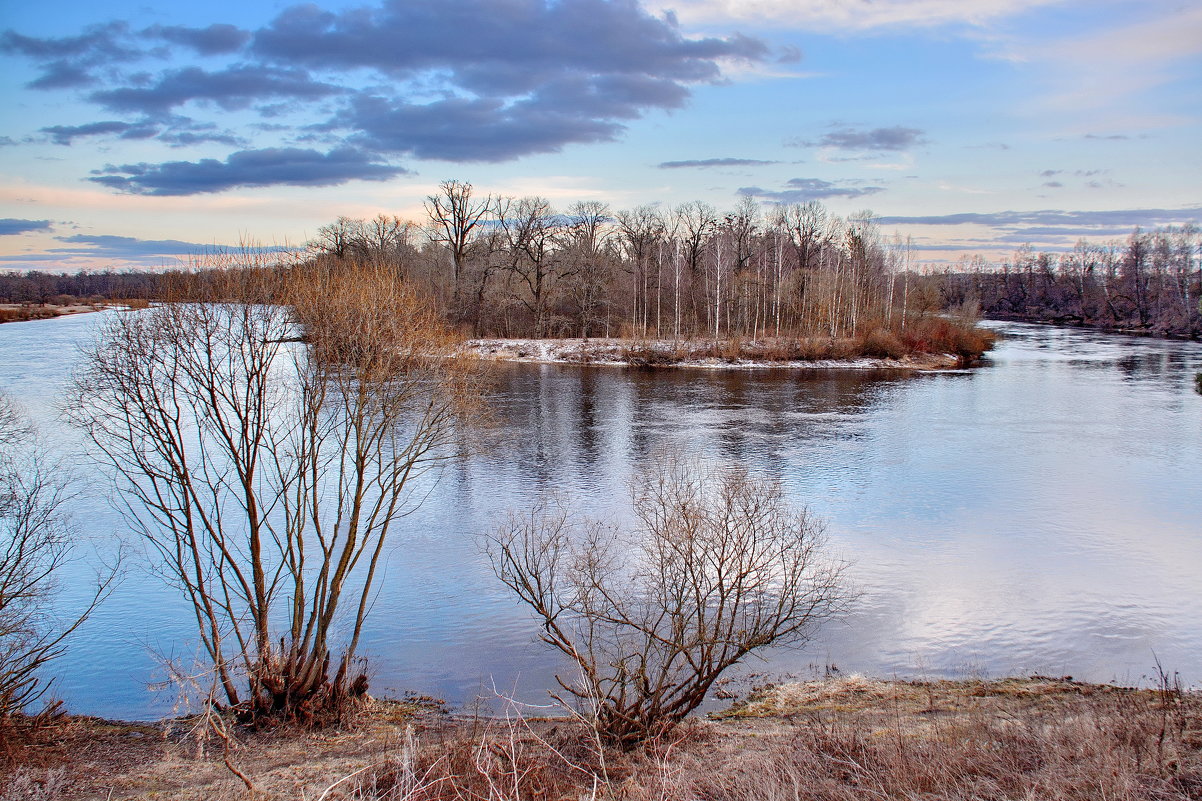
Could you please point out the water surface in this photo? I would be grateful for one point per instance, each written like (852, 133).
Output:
(1041, 513)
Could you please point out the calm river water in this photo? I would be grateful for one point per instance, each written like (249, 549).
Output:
(1041, 513)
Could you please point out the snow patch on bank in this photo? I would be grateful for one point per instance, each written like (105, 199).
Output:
(617, 353)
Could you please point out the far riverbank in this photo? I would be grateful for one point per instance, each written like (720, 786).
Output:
(702, 354)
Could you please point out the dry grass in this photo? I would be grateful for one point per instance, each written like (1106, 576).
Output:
(836, 740)
(16, 314)
(927, 337)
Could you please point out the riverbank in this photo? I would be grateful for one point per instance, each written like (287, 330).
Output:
(842, 738)
(701, 354)
(21, 312)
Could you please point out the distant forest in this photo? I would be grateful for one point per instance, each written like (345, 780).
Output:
(507, 267)
(1148, 284)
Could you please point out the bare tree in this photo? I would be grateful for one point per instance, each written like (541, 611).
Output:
(530, 227)
(455, 218)
(717, 567)
(338, 238)
(268, 475)
(36, 541)
(640, 233)
(586, 253)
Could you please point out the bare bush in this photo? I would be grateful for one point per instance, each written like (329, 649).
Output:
(717, 567)
(268, 474)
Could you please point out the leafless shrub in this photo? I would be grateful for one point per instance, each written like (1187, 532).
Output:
(268, 474)
(717, 567)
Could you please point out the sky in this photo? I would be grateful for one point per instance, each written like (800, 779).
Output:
(136, 135)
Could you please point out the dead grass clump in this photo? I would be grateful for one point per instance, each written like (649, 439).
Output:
(492, 760)
(882, 344)
(1128, 746)
(941, 335)
(23, 313)
(641, 354)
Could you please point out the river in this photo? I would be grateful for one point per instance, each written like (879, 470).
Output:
(1041, 513)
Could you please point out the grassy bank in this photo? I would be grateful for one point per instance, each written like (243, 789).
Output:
(931, 344)
(832, 740)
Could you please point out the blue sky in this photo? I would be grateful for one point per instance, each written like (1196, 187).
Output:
(134, 134)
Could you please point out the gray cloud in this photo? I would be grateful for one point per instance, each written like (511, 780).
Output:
(875, 139)
(66, 134)
(213, 40)
(125, 246)
(803, 190)
(128, 247)
(145, 252)
(1053, 184)
(460, 80)
(186, 138)
(232, 88)
(522, 77)
(173, 131)
(575, 109)
(724, 162)
(10, 226)
(61, 75)
(266, 167)
(96, 41)
(67, 61)
(1078, 220)
(470, 130)
(514, 46)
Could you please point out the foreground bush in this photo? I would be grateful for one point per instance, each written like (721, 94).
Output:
(265, 475)
(716, 567)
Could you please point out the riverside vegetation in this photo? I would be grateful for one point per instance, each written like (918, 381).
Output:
(270, 422)
(834, 739)
(797, 284)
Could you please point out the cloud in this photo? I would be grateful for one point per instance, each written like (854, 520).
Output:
(61, 75)
(1078, 221)
(803, 190)
(246, 168)
(231, 88)
(66, 61)
(704, 163)
(837, 15)
(11, 227)
(66, 134)
(874, 140)
(502, 80)
(573, 109)
(213, 40)
(460, 80)
(1113, 69)
(499, 47)
(128, 247)
(125, 246)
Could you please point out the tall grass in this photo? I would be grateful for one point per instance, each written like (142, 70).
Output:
(1121, 746)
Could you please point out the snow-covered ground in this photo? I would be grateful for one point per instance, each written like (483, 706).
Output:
(618, 352)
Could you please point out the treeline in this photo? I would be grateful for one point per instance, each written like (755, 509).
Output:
(1149, 284)
(35, 286)
(518, 267)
